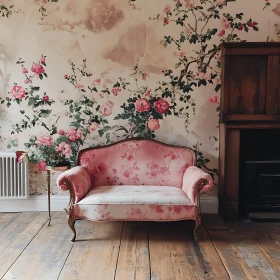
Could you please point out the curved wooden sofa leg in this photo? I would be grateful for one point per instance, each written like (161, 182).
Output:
(197, 223)
(71, 224)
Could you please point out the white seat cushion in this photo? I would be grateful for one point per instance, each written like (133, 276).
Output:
(162, 195)
(135, 203)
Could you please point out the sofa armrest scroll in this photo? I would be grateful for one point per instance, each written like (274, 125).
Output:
(76, 180)
(196, 181)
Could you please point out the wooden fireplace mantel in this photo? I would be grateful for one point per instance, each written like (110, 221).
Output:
(250, 99)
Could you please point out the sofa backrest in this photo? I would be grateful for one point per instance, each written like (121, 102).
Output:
(137, 162)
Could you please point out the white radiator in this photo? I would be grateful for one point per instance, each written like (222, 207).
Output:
(14, 177)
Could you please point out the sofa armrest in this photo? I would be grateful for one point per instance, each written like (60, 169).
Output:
(76, 180)
(196, 181)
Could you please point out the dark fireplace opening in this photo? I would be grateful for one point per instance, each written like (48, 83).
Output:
(259, 181)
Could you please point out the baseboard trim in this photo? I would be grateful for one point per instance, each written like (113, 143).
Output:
(209, 204)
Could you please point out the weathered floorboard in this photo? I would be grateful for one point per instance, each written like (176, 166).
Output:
(252, 256)
(13, 230)
(6, 219)
(213, 264)
(13, 251)
(170, 254)
(133, 261)
(45, 256)
(95, 253)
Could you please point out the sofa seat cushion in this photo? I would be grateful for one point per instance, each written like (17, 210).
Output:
(142, 203)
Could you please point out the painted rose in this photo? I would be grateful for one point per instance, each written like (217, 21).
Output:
(161, 106)
(214, 99)
(153, 124)
(189, 4)
(43, 60)
(116, 90)
(42, 165)
(93, 126)
(142, 105)
(225, 23)
(188, 31)
(45, 140)
(107, 108)
(222, 33)
(37, 68)
(18, 92)
(64, 148)
(74, 134)
(66, 76)
(78, 86)
(182, 54)
(252, 23)
(24, 70)
(167, 9)
(27, 81)
(97, 81)
(276, 10)
(61, 132)
(166, 21)
(46, 98)
(148, 92)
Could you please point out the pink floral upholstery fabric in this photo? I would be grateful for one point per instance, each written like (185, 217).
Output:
(192, 178)
(136, 203)
(137, 162)
(80, 180)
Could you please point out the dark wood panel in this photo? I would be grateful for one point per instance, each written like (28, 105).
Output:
(251, 117)
(232, 164)
(225, 86)
(247, 85)
(273, 89)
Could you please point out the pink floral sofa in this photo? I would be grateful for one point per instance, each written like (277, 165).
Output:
(134, 180)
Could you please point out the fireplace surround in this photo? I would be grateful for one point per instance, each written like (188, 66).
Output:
(250, 105)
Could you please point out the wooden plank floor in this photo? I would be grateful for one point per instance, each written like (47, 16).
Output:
(30, 250)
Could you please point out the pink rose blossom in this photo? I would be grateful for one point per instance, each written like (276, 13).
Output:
(84, 60)
(276, 10)
(78, 86)
(142, 105)
(61, 132)
(241, 27)
(116, 90)
(182, 54)
(45, 140)
(225, 23)
(161, 106)
(166, 21)
(18, 92)
(27, 81)
(66, 76)
(46, 98)
(175, 54)
(167, 9)
(93, 126)
(145, 76)
(217, 80)
(189, 4)
(217, 149)
(42, 165)
(252, 23)
(74, 134)
(222, 33)
(148, 92)
(97, 81)
(64, 148)
(188, 31)
(44, 2)
(43, 60)
(24, 70)
(107, 108)
(214, 99)
(153, 124)
(37, 68)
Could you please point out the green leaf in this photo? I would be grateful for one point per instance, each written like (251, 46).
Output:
(41, 76)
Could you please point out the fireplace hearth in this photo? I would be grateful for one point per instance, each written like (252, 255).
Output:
(249, 169)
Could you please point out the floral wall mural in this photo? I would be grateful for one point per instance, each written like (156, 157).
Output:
(74, 75)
